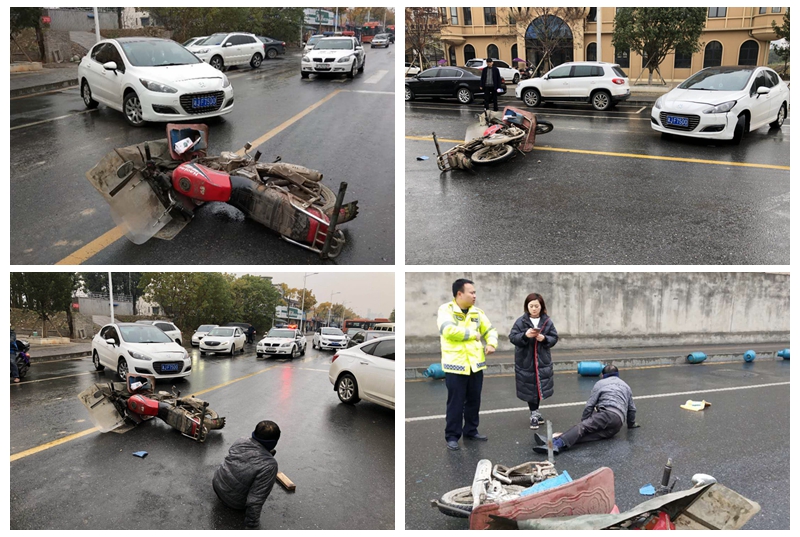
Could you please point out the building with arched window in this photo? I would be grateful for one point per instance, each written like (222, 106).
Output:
(732, 36)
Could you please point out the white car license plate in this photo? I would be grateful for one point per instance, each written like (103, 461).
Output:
(677, 121)
(322, 66)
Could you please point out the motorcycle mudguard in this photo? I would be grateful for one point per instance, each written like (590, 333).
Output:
(102, 411)
(134, 206)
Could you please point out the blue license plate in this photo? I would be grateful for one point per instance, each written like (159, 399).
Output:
(678, 121)
(169, 368)
(203, 102)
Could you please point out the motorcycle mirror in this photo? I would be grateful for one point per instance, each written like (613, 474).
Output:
(125, 170)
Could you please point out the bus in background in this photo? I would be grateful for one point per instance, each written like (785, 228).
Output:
(370, 30)
(361, 324)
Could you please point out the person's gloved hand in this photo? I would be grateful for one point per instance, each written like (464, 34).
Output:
(634, 425)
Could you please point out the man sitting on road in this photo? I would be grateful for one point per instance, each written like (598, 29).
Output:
(611, 402)
(247, 475)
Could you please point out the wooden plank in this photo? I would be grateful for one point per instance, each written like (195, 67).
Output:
(286, 482)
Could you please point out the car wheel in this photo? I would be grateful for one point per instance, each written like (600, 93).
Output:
(363, 64)
(96, 361)
(601, 100)
(132, 107)
(202, 353)
(739, 131)
(303, 74)
(122, 369)
(295, 352)
(352, 73)
(259, 355)
(255, 61)
(464, 95)
(780, 119)
(516, 78)
(233, 349)
(272, 53)
(86, 93)
(531, 97)
(303, 350)
(409, 94)
(347, 389)
(217, 63)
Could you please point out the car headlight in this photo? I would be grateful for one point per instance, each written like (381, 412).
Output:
(225, 81)
(344, 60)
(185, 355)
(202, 51)
(305, 59)
(658, 103)
(157, 87)
(720, 108)
(139, 356)
(285, 344)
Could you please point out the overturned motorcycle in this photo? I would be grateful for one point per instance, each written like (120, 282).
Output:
(154, 187)
(497, 137)
(120, 406)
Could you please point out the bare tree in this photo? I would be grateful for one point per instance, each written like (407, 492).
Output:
(423, 31)
(552, 26)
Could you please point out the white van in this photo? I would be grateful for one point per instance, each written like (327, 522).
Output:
(384, 327)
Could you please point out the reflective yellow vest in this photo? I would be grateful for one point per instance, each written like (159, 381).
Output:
(461, 335)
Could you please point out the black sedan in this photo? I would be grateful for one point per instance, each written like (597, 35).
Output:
(272, 47)
(461, 83)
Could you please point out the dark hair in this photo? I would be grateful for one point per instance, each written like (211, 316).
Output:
(459, 284)
(488, 60)
(267, 430)
(610, 369)
(535, 296)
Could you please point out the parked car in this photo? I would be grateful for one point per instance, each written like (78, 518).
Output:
(309, 45)
(272, 47)
(139, 348)
(601, 84)
(194, 41)
(329, 338)
(384, 327)
(508, 73)
(150, 79)
(282, 341)
(411, 69)
(365, 372)
(223, 339)
(201, 332)
(723, 103)
(380, 40)
(228, 49)
(462, 83)
(168, 328)
(244, 326)
(364, 335)
(334, 55)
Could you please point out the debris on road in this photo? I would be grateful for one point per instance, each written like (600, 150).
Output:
(285, 482)
(696, 406)
(422, 157)
(648, 490)
(140, 454)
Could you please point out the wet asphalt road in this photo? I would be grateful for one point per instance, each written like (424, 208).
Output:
(339, 456)
(557, 207)
(742, 439)
(55, 211)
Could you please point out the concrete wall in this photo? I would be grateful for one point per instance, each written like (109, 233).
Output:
(78, 20)
(98, 306)
(625, 309)
(57, 46)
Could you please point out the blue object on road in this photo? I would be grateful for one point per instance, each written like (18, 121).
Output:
(590, 369)
(784, 354)
(434, 371)
(696, 357)
(647, 490)
(749, 356)
(547, 484)
(140, 454)
(423, 157)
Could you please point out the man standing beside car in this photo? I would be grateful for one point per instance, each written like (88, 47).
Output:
(490, 84)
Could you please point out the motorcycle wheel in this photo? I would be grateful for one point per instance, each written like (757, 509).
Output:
(458, 503)
(336, 244)
(543, 127)
(327, 199)
(492, 155)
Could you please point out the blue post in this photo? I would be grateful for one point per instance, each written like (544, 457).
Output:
(696, 357)
(784, 354)
(434, 371)
(749, 356)
(590, 369)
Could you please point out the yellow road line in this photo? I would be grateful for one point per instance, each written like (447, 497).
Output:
(93, 248)
(54, 443)
(53, 119)
(628, 155)
(55, 378)
(58, 90)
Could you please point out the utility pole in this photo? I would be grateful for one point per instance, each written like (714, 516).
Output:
(331, 305)
(599, 33)
(336, 22)
(110, 284)
(303, 303)
(97, 34)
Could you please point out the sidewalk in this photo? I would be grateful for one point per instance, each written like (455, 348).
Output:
(47, 353)
(52, 77)
(502, 363)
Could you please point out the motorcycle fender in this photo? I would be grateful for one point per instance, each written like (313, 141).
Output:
(102, 411)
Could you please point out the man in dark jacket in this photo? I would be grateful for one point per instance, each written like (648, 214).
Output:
(247, 475)
(490, 84)
(610, 404)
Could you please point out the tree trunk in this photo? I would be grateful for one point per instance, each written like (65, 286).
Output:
(69, 322)
(40, 42)
(650, 77)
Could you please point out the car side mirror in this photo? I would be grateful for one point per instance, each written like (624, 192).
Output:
(228, 44)
(111, 342)
(763, 90)
(110, 66)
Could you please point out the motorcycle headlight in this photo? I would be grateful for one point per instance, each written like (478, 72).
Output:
(720, 108)
(139, 356)
(157, 87)
(344, 60)
(658, 103)
(305, 59)
(225, 81)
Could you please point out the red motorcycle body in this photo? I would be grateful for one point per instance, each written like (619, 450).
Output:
(143, 406)
(201, 183)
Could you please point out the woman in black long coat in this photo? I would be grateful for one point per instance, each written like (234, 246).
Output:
(533, 335)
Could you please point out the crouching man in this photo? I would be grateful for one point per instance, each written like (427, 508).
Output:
(610, 404)
(246, 476)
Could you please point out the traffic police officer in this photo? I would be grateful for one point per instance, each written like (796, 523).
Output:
(461, 326)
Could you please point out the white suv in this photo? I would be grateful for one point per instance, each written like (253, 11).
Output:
(168, 328)
(337, 55)
(229, 49)
(601, 84)
(508, 73)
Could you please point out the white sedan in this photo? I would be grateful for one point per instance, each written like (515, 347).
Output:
(329, 338)
(149, 79)
(723, 103)
(139, 348)
(201, 332)
(334, 55)
(365, 372)
(223, 340)
(282, 341)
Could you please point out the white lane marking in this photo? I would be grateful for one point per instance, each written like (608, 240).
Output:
(53, 119)
(639, 111)
(376, 77)
(56, 378)
(636, 398)
(370, 91)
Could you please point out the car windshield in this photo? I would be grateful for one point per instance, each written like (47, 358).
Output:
(381, 36)
(718, 79)
(143, 333)
(335, 44)
(222, 332)
(206, 327)
(332, 332)
(281, 333)
(475, 63)
(215, 39)
(158, 54)
(314, 39)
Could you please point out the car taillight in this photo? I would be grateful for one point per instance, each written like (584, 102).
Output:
(284, 43)
(335, 356)
(618, 81)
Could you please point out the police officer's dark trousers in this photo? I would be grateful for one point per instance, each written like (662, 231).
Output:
(463, 404)
(600, 425)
